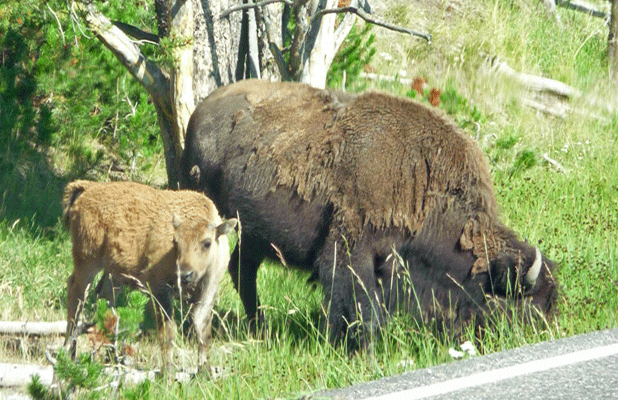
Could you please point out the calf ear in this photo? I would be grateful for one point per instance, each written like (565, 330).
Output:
(226, 226)
(176, 221)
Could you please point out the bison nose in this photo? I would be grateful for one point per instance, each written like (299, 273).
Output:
(186, 277)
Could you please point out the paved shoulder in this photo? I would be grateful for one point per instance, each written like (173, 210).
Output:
(579, 367)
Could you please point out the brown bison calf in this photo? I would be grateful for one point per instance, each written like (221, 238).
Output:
(150, 238)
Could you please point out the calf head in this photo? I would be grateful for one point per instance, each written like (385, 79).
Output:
(197, 246)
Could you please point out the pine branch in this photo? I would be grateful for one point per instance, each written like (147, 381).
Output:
(147, 73)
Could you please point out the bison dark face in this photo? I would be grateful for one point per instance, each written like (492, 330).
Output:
(437, 281)
(522, 273)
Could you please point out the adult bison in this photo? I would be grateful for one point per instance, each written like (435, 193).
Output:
(387, 202)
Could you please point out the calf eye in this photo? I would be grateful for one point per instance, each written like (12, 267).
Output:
(206, 244)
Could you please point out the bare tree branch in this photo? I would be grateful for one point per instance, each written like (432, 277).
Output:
(241, 7)
(350, 9)
(147, 73)
(57, 21)
(281, 65)
(367, 17)
(344, 29)
(297, 47)
(137, 33)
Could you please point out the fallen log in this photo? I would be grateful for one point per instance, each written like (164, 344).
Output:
(534, 82)
(35, 328)
(13, 375)
(559, 111)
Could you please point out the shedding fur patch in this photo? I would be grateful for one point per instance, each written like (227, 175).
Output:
(484, 244)
(380, 160)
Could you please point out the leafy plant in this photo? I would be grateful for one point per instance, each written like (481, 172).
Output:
(458, 106)
(121, 323)
(67, 109)
(84, 374)
(524, 161)
(355, 54)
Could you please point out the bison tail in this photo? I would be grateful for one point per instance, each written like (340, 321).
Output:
(71, 193)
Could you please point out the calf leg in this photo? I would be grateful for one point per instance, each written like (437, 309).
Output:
(202, 314)
(77, 284)
(160, 309)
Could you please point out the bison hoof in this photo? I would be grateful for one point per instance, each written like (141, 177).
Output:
(258, 328)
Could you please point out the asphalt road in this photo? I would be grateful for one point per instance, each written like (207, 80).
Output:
(579, 367)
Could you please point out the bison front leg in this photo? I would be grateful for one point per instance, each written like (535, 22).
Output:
(243, 268)
(352, 301)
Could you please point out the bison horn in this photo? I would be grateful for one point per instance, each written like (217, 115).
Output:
(533, 272)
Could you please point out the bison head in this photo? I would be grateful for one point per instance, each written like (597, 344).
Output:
(437, 277)
(198, 247)
(521, 272)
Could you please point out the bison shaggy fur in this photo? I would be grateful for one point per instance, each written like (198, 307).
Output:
(151, 239)
(384, 200)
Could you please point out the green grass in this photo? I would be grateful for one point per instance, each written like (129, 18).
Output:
(572, 215)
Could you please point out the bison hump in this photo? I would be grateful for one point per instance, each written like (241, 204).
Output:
(380, 160)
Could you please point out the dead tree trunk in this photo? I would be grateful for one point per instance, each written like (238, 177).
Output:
(203, 50)
(208, 44)
(612, 41)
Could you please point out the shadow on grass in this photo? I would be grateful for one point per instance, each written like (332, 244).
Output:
(31, 191)
(296, 330)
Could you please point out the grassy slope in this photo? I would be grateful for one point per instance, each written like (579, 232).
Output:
(573, 216)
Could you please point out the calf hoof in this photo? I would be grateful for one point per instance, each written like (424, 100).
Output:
(70, 346)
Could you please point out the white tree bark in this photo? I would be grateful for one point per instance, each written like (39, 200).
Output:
(324, 42)
(181, 77)
(208, 50)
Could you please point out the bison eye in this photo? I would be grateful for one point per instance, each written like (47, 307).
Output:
(206, 244)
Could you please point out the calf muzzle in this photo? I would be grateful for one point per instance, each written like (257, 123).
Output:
(187, 278)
